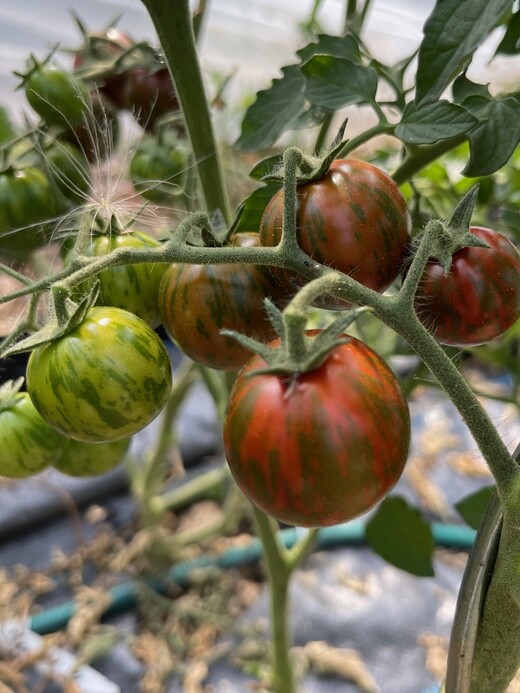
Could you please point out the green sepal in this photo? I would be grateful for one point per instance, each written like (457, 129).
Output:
(10, 393)
(280, 360)
(313, 168)
(71, 316)
(455, 233)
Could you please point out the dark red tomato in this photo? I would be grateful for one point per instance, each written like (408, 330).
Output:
(478, 299)
(98, 48)
(197, 301)
(150, 95)
(319, 448)
(354, 219)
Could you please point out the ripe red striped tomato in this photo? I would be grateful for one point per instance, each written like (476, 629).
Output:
(197, 301)
(478, 299)
(354, 220)
(318, 448)
(104, 380)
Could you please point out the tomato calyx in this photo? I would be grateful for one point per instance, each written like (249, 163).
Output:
(310, 168)
(64, 316)
(454, 234)
(297, 350)
(10, 393)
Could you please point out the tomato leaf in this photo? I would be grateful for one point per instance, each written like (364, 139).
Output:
(340, 46)
(334, 82)
(452, 32)
(434, 122)
(510, 43)
(400, 535)
(251, 209)
(472, 507)
(462, 88)
(273, 111)
(496, 136)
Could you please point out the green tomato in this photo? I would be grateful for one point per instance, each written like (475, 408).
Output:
(132, 287)
(158, 168)
(105, 380)
(58, 97)
(28, 443)
(27, 201)
(68, 168)
(89, 459)
(7, 129)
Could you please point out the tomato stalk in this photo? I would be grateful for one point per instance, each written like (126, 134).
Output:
(175, 32)
(280, 564)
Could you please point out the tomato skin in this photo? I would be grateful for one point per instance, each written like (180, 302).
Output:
(158, 168)
(104, 381)
(150, 95)
(26, 200)
(89, 459)
(322, 447)
(354, 220)
(57, 96)
(132, 287)
(197, 301)
(28, 443)
(479, 299)
(68, 167)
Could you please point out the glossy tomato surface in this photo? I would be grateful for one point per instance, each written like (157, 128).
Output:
(354, 219)
(132, 287)
(27, 200)
(105, 380)
(27, 443)
(318, 448)
(89, 459)
(197, 301)
(58, 96)
(479, 299)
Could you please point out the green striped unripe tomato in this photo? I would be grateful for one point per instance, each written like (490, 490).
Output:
(27, 442)
(88, 459)
(132, 287)
(105, 380)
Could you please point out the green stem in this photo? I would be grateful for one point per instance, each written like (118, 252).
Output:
(279, 574)
(217, 388)
(173, 23)
(424, 156)
(5, 269)
(382, 128)
(323, 132)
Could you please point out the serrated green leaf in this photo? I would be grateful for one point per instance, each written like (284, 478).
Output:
(434, 122)
(252, 208)
(462, 88)
(400, 535)
(510, 43)
(266, 166)
(472, 507)
(452, 32)
(273, 111)
(333, 82)
(340, 46)
(496, 137)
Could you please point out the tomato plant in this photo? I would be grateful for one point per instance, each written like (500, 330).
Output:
(132, 287)
(354, 219)
(68, 168)
(57, 96)
(28, 443)
(26, 201)
(89, 459)
(97, 133)
(478, 299)
(320, 447)
(198, 301)
(103, 381)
